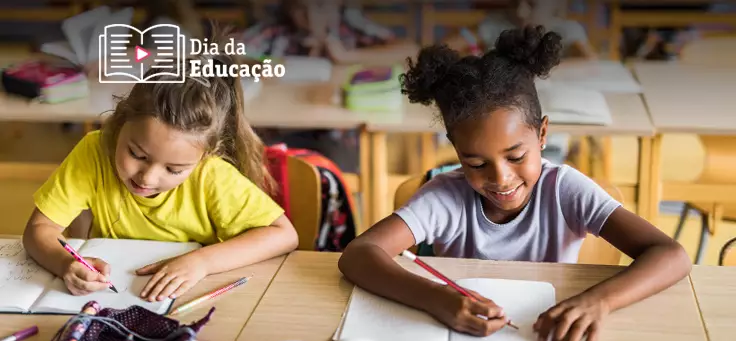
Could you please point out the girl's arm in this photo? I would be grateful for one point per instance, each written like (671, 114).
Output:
(659, 262)
(172, 277)
(40, 239)
(585, 49)
(253, 246)
(459, 43)
(368, 262)
(394, 52)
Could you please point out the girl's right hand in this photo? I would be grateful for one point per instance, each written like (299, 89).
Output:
(82, 281)
(479, 318)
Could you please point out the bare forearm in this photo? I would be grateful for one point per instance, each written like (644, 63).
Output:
(393, 53)
(371, 268)
(653, 271)
(41, 244)
(248, 248)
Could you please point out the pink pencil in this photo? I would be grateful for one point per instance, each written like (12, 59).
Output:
(79, 258)
(444, 278)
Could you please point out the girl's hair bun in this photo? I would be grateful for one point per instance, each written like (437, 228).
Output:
(538, 51)
(433, 64)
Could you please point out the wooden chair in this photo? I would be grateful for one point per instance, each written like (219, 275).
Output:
(727, 256)
(720, 158)
(305, 200)
(593, 251)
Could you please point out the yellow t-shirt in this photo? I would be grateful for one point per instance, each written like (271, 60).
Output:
(215, 203)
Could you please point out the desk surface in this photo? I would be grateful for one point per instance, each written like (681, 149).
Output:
(228, 319)
(628, 113)
(310, 293)
(293, 105)
(715, 290)
(689, 98)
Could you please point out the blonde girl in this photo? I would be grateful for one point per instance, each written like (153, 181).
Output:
(174, 162)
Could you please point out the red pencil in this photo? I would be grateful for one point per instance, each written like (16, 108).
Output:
(408, 254)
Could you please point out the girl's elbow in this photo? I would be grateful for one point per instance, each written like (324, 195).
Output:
(292, 240)
(682, 258)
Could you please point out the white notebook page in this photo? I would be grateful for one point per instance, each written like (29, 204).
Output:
(371, 317)
(22, 280)
(522, 301)
(124, 257)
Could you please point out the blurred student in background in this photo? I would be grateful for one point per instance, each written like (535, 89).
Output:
(324, 29)
(520, 13)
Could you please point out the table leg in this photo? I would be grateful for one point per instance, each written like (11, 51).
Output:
(642, 190)
(655, 181)
(607, 157)
(365, 180)
(650, 177)
(379, 177)
(614, 30)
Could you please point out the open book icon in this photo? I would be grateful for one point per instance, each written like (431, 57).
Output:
(123, 59)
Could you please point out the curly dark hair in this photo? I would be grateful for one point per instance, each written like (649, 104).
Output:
(473, 86)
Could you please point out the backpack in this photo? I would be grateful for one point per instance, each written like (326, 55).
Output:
(337, 219)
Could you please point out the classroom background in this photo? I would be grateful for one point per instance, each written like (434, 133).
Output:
(655, 163)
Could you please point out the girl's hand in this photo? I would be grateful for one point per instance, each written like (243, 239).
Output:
(478, 318)
(571, 319)
(172, 277)
(82, 281)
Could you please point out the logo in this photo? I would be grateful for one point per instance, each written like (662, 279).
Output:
(120, 62)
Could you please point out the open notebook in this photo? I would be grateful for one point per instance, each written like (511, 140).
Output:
(25, 287)
(601, 75)
(573, 105)
(370, 317)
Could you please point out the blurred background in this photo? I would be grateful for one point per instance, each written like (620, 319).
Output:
(373, 32)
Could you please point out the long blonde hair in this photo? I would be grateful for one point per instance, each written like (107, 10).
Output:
(210, 107)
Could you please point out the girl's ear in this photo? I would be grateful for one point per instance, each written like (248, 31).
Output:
(543, 131)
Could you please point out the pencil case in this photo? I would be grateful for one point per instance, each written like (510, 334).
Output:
(134, 323)
(373, 89)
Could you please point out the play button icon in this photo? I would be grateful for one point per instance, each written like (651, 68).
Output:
(140, 53)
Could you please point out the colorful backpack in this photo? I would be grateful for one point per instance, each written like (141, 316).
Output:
(337, 219)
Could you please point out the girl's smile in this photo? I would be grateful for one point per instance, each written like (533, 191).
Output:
(501, 158)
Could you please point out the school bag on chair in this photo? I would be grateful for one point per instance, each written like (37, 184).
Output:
(338, 219)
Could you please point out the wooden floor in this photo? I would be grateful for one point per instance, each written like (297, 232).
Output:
(49, 143)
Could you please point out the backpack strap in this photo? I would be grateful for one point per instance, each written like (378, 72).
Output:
(439, 170)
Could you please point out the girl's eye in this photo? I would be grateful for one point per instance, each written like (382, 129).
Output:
(132, 153)
(477, 166)
(174, 172)
(518, 159)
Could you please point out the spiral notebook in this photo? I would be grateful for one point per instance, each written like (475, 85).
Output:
(371, 317)
(27, 288)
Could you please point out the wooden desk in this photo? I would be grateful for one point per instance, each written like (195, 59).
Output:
(715, 291)
(308, 296)
(230, 315)
(629, 118)
(694, 99)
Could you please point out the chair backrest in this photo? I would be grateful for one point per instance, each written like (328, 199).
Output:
(727, 256)
(715, 51)
(593, 251)
(305, 200)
